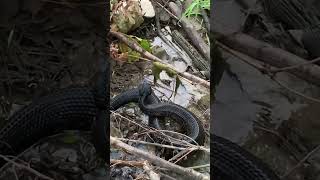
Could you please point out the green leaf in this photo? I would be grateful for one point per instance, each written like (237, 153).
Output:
(133, 56)
(146, 45)
(158, 67)
(195, 7)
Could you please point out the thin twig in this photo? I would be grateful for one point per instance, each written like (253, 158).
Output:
(178, 155)
(157, 161)
(200, 166)
(169, 12)
(26, 168)
(247, 59)
(153, 144)
(295, 92)
(316, 149)
(116, 162)
(133, 45)
(295, 66)
(190, 150)
(152, 130)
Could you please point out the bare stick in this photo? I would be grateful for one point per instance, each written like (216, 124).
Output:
(158, 161)
(200, 166)
(296, 92)
(167, 146)
(153, 144)
(247, 59)
(151, 173)
(296, 66)
(150, 56)
(273, 56)
(301, 162)
(115, 162)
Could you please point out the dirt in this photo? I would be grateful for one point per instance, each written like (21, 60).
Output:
(44, 50)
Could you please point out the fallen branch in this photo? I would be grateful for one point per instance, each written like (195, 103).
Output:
(151, 173)
(200, 166)
(115, 162)
(166, 146)
(150, 56)
(274, 56)
(270, 72)
(158, 161)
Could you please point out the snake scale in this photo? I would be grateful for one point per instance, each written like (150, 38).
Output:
(297, 14)
(84, 107)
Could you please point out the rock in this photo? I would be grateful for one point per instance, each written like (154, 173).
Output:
(122, 173)
(128, 16)
(180, 66)
(164, 16)
(164, 76)
(160, 52)
(147, 8)
(69, 154)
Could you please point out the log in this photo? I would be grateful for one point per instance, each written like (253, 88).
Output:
(273, 56)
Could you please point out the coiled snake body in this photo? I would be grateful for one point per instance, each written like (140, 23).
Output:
(82, 108)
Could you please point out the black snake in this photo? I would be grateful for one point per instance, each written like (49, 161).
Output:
(84, 107)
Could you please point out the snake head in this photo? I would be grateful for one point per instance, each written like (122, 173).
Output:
(144, 88)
